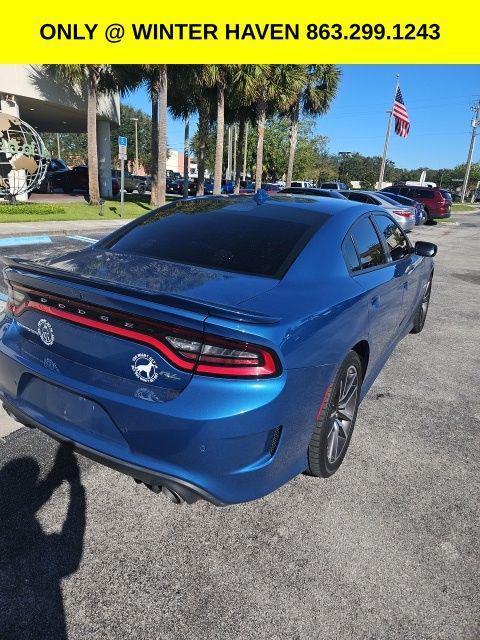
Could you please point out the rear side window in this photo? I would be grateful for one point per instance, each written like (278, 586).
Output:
(350, 254)
(368, 245)
(446, 194)
(360, 197)
(397, 242)
(426, 194)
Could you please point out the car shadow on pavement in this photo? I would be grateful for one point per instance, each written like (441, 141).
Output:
(32, 562)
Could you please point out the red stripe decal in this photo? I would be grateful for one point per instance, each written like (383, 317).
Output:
(119, 331)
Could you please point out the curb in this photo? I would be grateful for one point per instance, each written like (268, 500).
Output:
(6, 230)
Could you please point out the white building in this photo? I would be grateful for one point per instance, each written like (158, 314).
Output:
(27, 92)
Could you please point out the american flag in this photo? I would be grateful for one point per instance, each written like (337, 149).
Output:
(402, 122)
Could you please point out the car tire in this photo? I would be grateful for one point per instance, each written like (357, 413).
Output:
(422, 309)
(429, 221)
(141, 189)
(332, 434)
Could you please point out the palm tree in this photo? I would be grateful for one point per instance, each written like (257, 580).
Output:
(314, 98)
(156, 80)
(269, 87)
(162, 134)
(244, 115)
(98, 78)
(190, 95)
(216, 76)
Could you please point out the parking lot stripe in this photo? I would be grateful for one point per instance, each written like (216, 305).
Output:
(14, 241)
(83, 239)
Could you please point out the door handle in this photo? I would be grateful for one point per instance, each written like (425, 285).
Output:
(375, 301)
(410, 268)
(405, 284)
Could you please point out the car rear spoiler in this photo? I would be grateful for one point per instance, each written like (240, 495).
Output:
(21, 266)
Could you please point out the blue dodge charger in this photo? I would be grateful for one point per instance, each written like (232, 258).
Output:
(214, 348)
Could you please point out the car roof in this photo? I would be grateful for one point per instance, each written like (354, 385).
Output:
(302, 207)
(413, 186)
(313, 191)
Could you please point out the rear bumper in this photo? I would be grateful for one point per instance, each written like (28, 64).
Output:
(185, 490)
(407, 224)
(214, 440)
(440, 214)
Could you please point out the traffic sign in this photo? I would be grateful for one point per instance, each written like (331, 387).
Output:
(122, 147)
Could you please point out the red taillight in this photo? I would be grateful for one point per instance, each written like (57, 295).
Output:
(16, 300)
(403, 213)
(216, 356)
(185, 349)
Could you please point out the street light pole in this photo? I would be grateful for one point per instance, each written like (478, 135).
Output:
(135, 120)
(244, 168)
(341, 168)
(58, 146)
(475, 123)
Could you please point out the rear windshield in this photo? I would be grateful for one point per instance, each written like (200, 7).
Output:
(396, 198)
(387, 197)
(220, 239)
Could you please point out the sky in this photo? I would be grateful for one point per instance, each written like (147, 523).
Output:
(438, 100)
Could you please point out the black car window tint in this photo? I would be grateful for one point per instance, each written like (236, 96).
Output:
(394, 237)
(350, 254)
(368, 244)
(357, 197)
(229, 241)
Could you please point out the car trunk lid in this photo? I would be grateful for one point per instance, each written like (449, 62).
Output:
(86, 311)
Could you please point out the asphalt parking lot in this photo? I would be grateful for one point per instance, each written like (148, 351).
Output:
(387, 548)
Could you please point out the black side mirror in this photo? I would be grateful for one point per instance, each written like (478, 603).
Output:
(426, 249)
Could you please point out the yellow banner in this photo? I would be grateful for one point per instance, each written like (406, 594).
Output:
(281, 31)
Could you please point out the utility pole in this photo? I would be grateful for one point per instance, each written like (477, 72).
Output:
(136, 144)
(387, 137)
(186, 154)
(475, 123)
(58, 146)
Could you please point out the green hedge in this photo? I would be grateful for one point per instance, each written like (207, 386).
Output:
(31, 209)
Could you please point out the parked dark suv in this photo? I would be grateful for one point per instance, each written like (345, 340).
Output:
(77, 180)
(55, 176)
(437, 202)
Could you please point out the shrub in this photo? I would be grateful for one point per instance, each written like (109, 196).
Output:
(31, 209)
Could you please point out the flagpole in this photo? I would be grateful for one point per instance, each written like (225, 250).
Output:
(387, 136)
